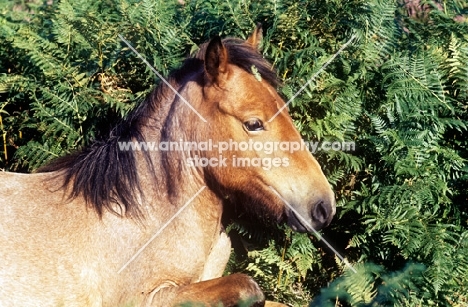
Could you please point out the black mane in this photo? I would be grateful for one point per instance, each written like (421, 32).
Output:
(106, 176)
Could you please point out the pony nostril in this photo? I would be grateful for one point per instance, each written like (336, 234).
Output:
(321, 213)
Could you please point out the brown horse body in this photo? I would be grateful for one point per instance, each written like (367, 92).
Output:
(69, 234)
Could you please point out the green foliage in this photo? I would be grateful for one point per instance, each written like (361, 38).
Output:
(399, 91)
(68, 73)
(282, 265)
(371, 286)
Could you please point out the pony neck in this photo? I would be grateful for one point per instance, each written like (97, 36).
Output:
(172, 122)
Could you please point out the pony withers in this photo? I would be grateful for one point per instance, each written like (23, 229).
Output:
(112, 226)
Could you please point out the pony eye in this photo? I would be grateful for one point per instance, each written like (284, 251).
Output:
(253, 125)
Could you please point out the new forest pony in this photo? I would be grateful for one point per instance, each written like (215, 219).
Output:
(112, 226)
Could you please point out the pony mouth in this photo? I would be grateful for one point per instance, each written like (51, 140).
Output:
(295, 222)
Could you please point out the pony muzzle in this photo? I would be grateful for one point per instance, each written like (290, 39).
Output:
(318, 217)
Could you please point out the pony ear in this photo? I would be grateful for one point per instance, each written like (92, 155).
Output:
(256, 37)
(216, 60)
